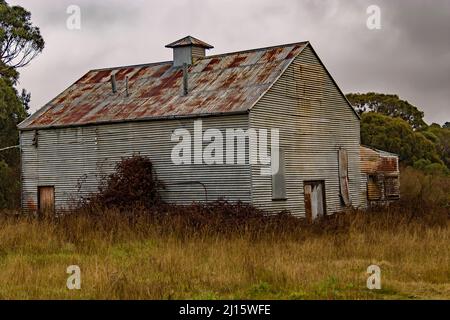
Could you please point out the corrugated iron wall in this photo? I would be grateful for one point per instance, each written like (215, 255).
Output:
(314, 121)
(67, 157)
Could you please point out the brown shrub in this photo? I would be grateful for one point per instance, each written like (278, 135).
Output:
(424, 194)
(134, 182)
(131, 197)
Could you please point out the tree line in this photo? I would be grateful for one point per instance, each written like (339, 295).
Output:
(20, 43)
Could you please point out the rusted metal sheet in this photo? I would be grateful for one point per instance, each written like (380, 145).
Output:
(376, 161)
(374, 188)
(392, 187)
(227, 83)
(46, 198)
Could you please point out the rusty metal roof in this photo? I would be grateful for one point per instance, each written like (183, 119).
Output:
(375, 161)
(189, 41)
(220, 84)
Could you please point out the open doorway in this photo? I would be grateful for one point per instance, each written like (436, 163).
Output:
(314, 199)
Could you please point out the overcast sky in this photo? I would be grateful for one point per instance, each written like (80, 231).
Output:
(409, 55)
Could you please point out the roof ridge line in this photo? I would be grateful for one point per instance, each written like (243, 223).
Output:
(256, 49)
(206, 57)
(133, 65)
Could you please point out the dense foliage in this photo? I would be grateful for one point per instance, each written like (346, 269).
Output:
(391, 124)
(388, 104)
(20, 42)
(11, 113)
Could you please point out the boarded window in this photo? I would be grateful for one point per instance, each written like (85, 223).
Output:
(392, 187)
(343, 177)
(279, 176)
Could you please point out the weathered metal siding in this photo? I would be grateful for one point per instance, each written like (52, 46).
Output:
(363, 189)
(314, 120)
(67, 156)
(182, 55)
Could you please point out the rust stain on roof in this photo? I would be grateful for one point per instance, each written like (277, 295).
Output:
(388, 164)
(217, 84)
(98, 76)
(122, 74)
(237, 61)
(271, 55)
(374, 161)
(211, 64)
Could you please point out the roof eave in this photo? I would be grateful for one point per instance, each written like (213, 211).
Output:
(152, 118)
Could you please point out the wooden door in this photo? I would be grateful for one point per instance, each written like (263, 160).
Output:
(314, 192)
(343, 177)
(46, 200)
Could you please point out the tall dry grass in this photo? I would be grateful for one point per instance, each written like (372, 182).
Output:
(143, 257)
(231, 251)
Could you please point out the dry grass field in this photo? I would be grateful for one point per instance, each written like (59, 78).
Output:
(146, 258)
(231, 251)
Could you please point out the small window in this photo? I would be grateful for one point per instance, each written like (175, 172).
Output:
(279, 177)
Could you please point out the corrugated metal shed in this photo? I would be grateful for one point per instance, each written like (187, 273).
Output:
(286, 87)
(221, 84)
(381, 171)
